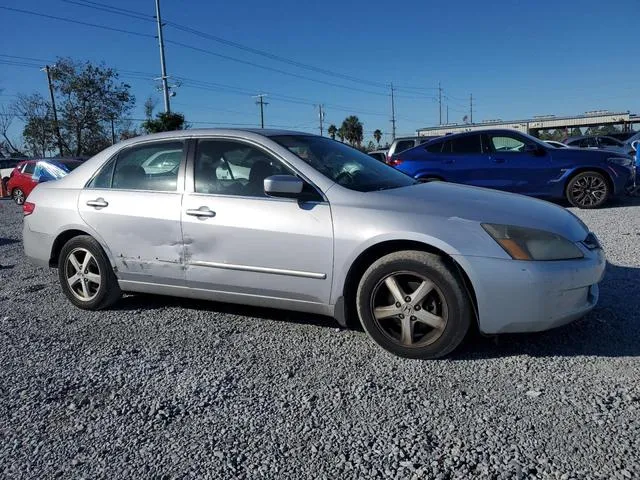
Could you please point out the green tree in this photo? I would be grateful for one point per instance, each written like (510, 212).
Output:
(370, 146)
(38, 132)
(89, 98)
(353, 130)
(575, 132)
(332, 131)
(342, 133)
(377, 134)
(165, 122)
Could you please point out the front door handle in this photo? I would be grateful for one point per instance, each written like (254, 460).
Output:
(202, 212)
(498, 160)
(98, 203)
(449, 161)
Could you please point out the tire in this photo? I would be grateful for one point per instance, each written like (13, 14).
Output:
(18, 196)
(432, 323)
(588, 190)
(101, 289)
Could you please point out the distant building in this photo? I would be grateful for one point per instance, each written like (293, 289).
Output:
(545, 122)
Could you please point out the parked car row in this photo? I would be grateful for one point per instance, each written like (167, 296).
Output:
(515, 162)
(28, 173)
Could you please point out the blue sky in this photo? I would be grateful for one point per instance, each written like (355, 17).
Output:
(518, 58)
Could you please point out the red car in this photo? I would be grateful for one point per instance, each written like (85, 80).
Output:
(29, 173)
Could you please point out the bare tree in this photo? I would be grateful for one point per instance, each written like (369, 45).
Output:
(6, 118)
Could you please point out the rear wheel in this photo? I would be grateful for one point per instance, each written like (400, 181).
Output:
(413, 305)
(18, 196)
(85, 274)
(588, 190)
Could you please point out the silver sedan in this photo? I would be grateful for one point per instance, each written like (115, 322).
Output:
(297, 221)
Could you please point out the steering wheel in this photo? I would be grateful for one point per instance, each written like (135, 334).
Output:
(344, 178)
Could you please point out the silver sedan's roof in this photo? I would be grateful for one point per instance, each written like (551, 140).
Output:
(265, 132)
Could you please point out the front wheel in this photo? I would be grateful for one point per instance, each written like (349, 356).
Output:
(413, 305)
(18, 196)
(588, 190)
(85, 274)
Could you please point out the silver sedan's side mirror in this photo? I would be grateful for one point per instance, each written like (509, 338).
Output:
(283, 186)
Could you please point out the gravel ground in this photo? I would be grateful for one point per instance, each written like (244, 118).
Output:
(168, 388)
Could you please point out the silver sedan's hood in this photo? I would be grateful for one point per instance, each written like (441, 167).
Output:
(451, 201)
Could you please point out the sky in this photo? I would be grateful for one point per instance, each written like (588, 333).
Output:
(519, 59)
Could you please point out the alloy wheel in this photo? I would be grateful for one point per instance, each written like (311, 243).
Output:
(589, 190)
(83, 274)
(409, 309)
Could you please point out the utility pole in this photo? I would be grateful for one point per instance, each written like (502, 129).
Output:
(447, 114)
(262, 103)
(321, 116)
(163, 66)
(56, 126)
(393, 115)
(440, 101)
(471, 107)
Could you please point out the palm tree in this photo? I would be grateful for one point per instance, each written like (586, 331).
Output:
(332, 131)
(342, 133)
(377, 134)
(353, 130)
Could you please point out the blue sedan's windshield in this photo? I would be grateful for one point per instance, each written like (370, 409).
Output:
(344, 165)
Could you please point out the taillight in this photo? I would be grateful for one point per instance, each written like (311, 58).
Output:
(28, 208)
(394, 162)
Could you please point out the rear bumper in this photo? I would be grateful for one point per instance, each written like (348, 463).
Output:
(37, 246)
(516, 296)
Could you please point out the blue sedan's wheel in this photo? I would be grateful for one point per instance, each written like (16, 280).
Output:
(413, 305)
(588, 190)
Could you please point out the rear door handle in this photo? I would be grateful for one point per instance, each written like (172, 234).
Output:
(449, 161)
(498, 160)
(202, 212)
(98, 203)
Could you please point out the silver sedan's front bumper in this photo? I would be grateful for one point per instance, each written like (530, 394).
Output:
(520, 296)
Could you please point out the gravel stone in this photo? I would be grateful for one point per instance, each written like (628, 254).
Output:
(162, 387)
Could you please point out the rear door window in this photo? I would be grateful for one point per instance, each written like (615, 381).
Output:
(403, 145)
(29, 168)
(434, 147)
(467, 144)
(153, 166)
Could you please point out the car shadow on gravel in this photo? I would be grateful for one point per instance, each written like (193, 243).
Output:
(612, 329)
(7, 241)
(152, 302)
(622, 201)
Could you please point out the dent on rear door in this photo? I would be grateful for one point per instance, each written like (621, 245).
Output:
(142, 231)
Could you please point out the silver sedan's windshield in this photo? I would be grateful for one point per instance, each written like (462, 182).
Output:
(344, 165)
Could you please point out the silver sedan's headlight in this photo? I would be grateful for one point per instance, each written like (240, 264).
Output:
(625, 162)
(531, 244)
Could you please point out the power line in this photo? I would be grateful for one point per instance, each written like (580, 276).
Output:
(209, 52)
(78, 22)
(208, 36)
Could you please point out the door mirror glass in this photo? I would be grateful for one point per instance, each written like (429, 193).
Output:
(283, 186)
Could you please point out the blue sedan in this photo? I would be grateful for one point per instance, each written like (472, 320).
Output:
(515, 162)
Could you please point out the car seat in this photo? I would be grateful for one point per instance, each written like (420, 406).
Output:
(130, 177)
